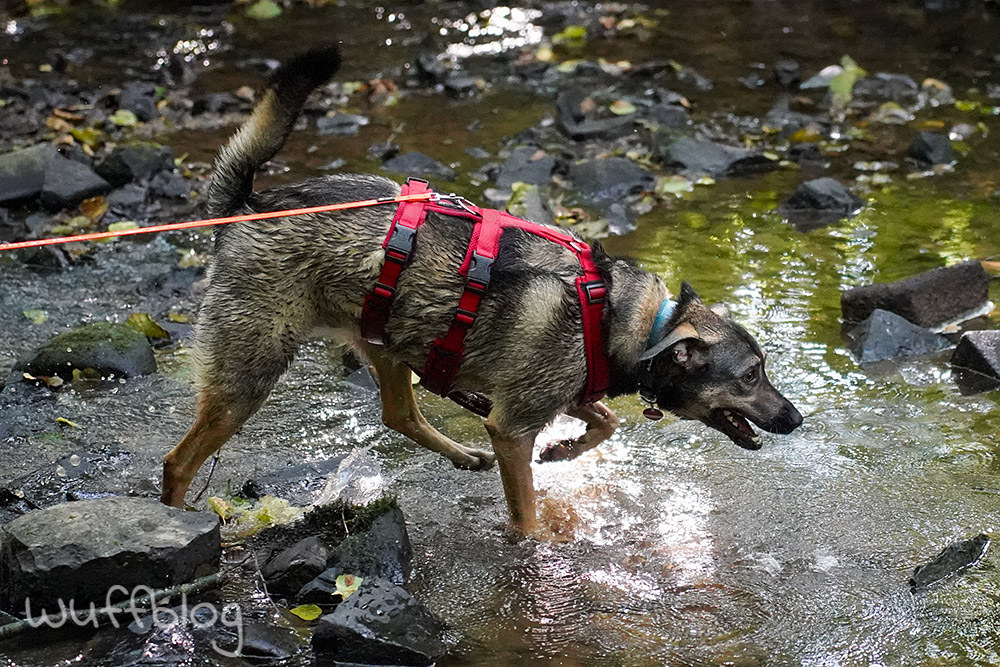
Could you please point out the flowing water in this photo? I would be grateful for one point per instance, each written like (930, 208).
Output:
(679, 547)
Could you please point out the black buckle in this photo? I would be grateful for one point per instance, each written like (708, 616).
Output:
(412, 179)
(479, 272)
(400, 244)
(596, 291)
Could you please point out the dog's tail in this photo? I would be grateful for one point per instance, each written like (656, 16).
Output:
(265, 132)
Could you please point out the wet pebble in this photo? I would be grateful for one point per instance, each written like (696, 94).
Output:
(885, 336)
(932, 148)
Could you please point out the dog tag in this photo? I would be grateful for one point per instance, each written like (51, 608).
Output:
(652, 414)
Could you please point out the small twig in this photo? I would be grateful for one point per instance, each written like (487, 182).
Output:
(211, 472)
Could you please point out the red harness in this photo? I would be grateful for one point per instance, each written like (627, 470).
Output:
(446, 353)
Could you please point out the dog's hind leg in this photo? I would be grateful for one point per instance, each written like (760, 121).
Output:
(601, 424)
(401, 413)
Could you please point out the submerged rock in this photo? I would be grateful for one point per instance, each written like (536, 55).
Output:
(608, 183)
(382, 550)
(955, 558)
(419, 165)
(820, 201)
(932, 148)
(380, 624)
(526, 164)
(574, 116)
(80, 550)
(977, 361)
(295, 566)
(341, 124)
(710, 157)
(110, 349)
(885, 336)
(929, 299)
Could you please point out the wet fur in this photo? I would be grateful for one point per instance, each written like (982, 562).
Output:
(273, 283)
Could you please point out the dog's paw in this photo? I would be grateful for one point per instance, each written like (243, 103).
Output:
(476, 459)
(562, 450)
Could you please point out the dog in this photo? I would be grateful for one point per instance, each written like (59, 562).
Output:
(274, 282)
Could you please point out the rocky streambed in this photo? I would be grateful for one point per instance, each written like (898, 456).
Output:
(812, 166)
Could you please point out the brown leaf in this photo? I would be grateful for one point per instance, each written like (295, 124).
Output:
(66, 114)
(94, 208)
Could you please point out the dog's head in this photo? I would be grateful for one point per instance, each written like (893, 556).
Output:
(707, 367)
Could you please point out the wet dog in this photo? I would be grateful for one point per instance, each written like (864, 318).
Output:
(273, 283)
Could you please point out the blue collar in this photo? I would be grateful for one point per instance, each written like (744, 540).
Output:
(663, 316)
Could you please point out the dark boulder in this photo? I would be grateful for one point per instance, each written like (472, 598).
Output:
(885, 336)
(379, 624)
(128, 198)
(67, 183)
(139, 97)
(898, 88)
(384, 150)
(953, 559)
(820, 201)
(712, 158)
(134, 162)
(110, 349)
(22, 173)
(341, 124)
(609, 183)
(929, 299)
(382, 550)
(976, 361)
(170, 184)
(932, 148)
(787, 73)
(574, 116)
(418, 165)
(322, 590)
(80, 550)
(526, 164)
(294, 567)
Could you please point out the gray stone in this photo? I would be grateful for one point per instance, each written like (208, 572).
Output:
(461, 85)
(295, 566)
(609, 179)
(418, 165)
(22, 173)
(898, 88)
(110, 349)
(885, 336)
(576, 122)
(932, 148)
(134, 162)
(139, 97)
(710, 157)
(170, 184)
(341, 124)
(977, 361)
(526, 164)
(820, 201)
(528, 203)
(953, 559)
(929, 299)
(67, 183)
(787, 73)
(322, 590)
(379, 624)
(80, 550)
(128, 197)
(383, 550)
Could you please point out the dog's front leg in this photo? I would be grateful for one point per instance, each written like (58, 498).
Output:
(514, 456)
(401, 413)
(601, 424)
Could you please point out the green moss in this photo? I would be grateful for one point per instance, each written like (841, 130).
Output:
(119, 336)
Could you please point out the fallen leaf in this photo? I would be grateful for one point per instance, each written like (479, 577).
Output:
(145, 325)
(307, 612)
(263, 10)
(87, 136)
(220, 507)
(36, 316)
(94, 208)
(572, 36)
(63, 420)
(120, 226)
(124, 118)
(622, 108)
(347, 584)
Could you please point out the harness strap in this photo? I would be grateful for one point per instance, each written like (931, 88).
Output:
(446, 352)
(398, 246)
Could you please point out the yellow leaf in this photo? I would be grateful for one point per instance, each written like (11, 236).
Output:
(347, 584)
(220, 507)
(307, 612)
(63, 420)
(622, 108)
(94, 208)
(145, 325)
(36, 316)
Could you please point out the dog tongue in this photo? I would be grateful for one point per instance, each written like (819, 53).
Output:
(740, 422)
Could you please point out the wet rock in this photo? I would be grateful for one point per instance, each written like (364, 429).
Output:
(355, 478)
(134, 162)
(477, 153)
(80, 550)
(382, 550)
(955, 558)
(266, 644)
(430, 69)
(295, 566)
(128, 198)
(139, 97)
(84, 473)
(341, 124)
(785, 119)
(380, 624)
(461, 85)
(609, 183)
(976, 361)
(110, 349)
(67, 183)
(526, 164)
(805, 153)
(334, 164)
(527, 202)
(885, 336)
(419, 165)
(170, 184)
(709, 157)
(898, 88)
(216, 103)
(322, 590)
(820, 201)
(574, 116)
(932, 148)
(788, 73)
(384, 150)
(22, 173)
(929, 299)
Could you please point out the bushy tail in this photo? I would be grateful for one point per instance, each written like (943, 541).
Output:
(265, 132)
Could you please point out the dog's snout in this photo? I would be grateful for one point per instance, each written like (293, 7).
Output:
(789, 420)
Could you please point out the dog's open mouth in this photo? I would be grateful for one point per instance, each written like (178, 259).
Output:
(736, 426)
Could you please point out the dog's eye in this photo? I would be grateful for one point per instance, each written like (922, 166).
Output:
(751, 376)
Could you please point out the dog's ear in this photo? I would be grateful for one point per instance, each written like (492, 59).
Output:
(688, 295)
(722, 310)
(682, 332)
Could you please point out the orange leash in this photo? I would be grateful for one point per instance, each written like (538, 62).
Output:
(426, 196)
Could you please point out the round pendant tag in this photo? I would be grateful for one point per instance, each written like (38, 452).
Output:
(652, 414)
